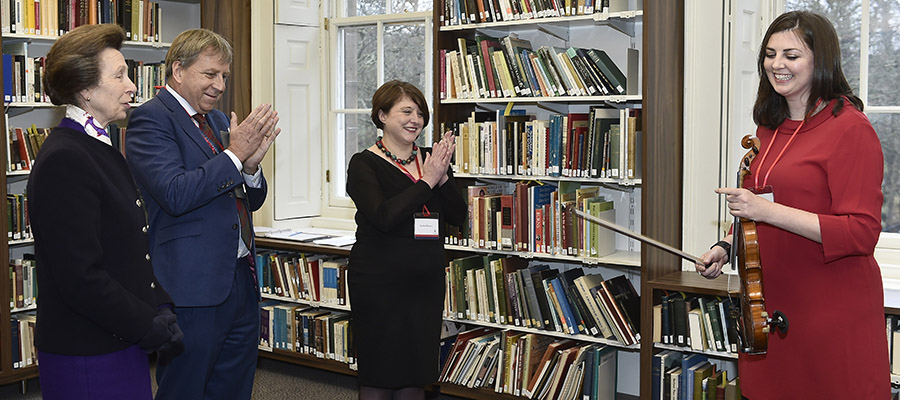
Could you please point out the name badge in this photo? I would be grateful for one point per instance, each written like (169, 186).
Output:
(426, 226)
(766, 192)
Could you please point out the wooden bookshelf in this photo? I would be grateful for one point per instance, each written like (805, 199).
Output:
(178, 15)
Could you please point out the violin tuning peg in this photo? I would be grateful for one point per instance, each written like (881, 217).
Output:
(765, 329)
(764, 314)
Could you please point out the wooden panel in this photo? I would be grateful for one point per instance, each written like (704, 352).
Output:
(661, 208)
(308, 360)
(231, 19)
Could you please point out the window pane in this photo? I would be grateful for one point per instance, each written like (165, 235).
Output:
(888, 128)
(846, 16)
(358, 132)
(884, 45)
(359, 65)
(364, 7)
(406, 40)
(399, 6)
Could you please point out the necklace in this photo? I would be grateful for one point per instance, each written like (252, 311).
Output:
(412, 157)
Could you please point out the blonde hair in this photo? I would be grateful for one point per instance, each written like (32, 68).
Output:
(193, 42)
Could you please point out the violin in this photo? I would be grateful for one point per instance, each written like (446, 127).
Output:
(754, 323)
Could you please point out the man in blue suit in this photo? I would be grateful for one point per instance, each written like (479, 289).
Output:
(199, 194)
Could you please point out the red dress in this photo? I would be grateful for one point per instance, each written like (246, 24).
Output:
(831, 293)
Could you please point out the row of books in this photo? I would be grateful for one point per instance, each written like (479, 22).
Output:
(17, 221)
(24, 354)
(531, 365)
(487, 67)
(680, 376)
(22, 145)
(506, 290)
(141, 19)
(306, 330)
(537, 218)
(892, 324)
(299, 276)
(22, 78)
(23, 288)
(603, 143)
(703, 323)
(462, 12)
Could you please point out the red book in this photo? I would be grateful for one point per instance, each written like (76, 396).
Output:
(573, 120)
(486, 45)
(23, 148)
(521, 219)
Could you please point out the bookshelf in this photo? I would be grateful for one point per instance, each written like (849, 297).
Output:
(176, 16)
(655, 28)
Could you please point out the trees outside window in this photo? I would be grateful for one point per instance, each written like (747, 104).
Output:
(373, 41)
(870, 54)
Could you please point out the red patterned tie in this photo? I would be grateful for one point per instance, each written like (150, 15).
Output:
(243, 214)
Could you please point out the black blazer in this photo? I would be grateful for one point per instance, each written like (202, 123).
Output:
(97, 291)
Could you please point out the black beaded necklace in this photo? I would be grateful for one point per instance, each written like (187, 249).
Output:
(412, 157)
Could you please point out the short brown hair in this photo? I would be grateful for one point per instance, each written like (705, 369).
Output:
(188, 45)
(390, 93)
(72, 64)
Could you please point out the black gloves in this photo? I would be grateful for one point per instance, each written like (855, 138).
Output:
(164, 333)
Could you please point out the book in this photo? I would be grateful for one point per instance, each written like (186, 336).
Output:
(584, 284)
(662, 362)
(627, 303)
(609, 69)
(542, 368)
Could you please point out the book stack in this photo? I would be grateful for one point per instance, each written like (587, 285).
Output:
(530, 365)
(603, 143)
(676, 375)
(141, 19)
(22, 283)
(19, 225)
(537, 218)
(24, 354)
(702, 323)
(464, 12)
(22, 77)
(506, 290)
(297, 276)
(509, 67)
(306, 330)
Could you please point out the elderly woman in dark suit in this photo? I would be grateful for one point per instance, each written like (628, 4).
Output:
(101, 309)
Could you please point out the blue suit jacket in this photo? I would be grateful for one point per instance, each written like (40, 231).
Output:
(189, 192)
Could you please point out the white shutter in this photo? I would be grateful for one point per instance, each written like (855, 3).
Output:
(297, 12)
(297, 185)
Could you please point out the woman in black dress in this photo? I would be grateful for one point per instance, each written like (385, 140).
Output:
(403, 196)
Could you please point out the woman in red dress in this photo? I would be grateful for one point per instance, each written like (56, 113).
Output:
(822, 162)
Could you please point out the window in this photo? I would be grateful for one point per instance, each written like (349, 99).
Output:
(870, 39)
(371, 42)
(870, 43)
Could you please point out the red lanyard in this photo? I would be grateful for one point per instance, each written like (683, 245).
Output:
(419, 171)
(763, 159)
(408, 174)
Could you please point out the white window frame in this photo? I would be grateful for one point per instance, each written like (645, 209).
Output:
(337, 206)
(702, 139)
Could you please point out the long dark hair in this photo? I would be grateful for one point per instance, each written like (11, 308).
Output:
(828, 81)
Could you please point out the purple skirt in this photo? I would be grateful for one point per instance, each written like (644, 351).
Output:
(123, 374)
